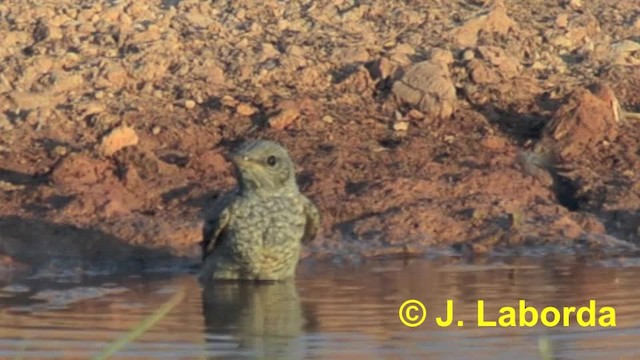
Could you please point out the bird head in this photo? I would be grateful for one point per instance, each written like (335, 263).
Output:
(264, 167)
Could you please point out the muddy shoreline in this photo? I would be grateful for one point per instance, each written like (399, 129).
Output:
(409, 131)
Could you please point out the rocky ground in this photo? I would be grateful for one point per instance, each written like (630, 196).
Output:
(415, 124)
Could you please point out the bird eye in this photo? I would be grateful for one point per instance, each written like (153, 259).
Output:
(272, 161)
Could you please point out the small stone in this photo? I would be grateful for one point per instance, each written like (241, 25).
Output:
(398, 115)
(449, 139)
(99, 95)
(229, 101)
(381, 69)
(155, 130)
(189, 104)
(119, 138)
(7, 186)
(328, 119)
(401, 126)
(495, 21)
(468, 55)
(441, 56)
(481, 73)
(538, 66)
(628, 173)
(60, 150)
(562, 41)
(575, 4)
(494, 143)
(562, 20)
(284, 118)
(245, 109)
(415, 114)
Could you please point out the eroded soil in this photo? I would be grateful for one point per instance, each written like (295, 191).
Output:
(115, 116)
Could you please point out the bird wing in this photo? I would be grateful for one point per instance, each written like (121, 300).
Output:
(312, 224)
(215, 223)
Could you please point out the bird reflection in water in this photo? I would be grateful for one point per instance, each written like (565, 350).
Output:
(266, 319)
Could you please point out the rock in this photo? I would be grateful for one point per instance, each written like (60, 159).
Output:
(189, 104)
(575, 4)
(9, 187)
(441, 56)
(351, 55)
(210, 72)
(152, 69)
(91, 108)
(428, 86)
(229, 101)
(358, 81)
(118, 139)
(494, 143)
(415, 114)
(15, 38)
(381, 69)
(562, 41)
(245, 109)
(27, 100)
(468, 55)
(626, 52)
(328, 119)
(481, 73)
(507, 66)
(495, 21)
(113, 76)
(268, 51)
(284, 118)
(401, 126)
(562, 20)
(67, 82)
(586, 119)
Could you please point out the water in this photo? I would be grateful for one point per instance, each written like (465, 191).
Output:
(331, 311)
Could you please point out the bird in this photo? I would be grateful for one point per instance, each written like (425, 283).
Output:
(256, 230)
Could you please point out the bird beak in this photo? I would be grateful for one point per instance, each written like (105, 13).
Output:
(239, 160)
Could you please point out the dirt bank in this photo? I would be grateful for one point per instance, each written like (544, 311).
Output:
(409, 121)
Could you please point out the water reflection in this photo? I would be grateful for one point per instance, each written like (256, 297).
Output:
(265, 319)
(331, 311)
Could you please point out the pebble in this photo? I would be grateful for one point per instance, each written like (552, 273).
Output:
(189, 104)
(60, 150)
(401, 126)
(562, 20)
(245, 109)
(117, 139)
(575, 4)
(284, 118)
